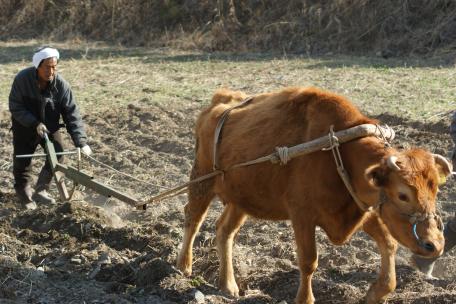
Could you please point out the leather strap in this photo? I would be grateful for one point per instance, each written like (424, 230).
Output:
(218, 130)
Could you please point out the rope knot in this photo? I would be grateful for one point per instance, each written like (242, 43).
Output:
(333, 140)
(419, 217)
(382, 135)
(414, 218)
(282, 152)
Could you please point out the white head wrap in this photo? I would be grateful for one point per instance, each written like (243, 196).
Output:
(44, 54)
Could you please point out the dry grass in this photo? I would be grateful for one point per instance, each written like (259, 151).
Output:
(310, 27)
(104, 77)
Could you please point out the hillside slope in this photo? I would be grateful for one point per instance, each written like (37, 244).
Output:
(304, 26)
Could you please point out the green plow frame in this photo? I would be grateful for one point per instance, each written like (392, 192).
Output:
(61, 171)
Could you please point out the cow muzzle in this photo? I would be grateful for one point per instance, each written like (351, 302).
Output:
(430, 246)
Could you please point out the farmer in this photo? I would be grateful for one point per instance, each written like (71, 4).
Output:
(427, 265)
(38, 98)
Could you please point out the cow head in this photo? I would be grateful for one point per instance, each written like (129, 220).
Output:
(407, 183)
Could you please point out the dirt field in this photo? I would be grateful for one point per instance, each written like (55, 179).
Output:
(94, 250)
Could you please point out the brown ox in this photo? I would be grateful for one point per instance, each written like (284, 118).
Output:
(308, 190)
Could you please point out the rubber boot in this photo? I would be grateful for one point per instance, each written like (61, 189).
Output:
(24, 196)
(426, 266)
(41, 194)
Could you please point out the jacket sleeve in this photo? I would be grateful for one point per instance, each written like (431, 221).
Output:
(17, 106)
(73, 119)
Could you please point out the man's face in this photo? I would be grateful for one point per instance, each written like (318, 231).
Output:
(47, 69)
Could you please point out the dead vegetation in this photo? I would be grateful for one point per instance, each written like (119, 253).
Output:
(387, 28)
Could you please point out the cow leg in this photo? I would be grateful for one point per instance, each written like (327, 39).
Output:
(199, 198)
(228, 225)
(387, 245)
(307, 258)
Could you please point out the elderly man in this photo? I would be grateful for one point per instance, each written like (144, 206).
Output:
(38, 98)
(427, 265)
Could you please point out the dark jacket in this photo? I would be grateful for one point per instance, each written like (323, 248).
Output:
(27, 105)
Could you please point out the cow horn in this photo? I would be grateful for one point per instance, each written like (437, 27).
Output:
(444, 163)
(391, 162)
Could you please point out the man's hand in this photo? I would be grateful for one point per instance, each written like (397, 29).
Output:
(86, 150)
(41, 129)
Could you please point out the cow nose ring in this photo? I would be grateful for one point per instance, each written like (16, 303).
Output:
(426, 245)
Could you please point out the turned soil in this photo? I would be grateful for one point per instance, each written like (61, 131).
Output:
(99, 250)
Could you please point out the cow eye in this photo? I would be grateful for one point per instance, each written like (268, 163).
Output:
(403, 197)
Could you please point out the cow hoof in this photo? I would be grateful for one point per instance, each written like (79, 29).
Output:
(308, 300)
(305, 302)
(187, 272)
(231, 291)
(233, 294)
(371, 299)
(184, 267)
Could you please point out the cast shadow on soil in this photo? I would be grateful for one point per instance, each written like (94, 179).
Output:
(11, 54)
(439, 127)
(283, 285)
(351, 287)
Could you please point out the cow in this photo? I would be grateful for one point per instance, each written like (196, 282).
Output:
(400, 186)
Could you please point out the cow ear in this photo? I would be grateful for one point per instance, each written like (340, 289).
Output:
(376, 176)
(444, 167)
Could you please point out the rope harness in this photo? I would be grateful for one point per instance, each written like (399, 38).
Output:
(283, 155)
(414, 218)
(421, 217)
(218, 129)
(334, 147)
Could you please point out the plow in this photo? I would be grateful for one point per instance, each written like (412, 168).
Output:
(62, 171)
(280, 156)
